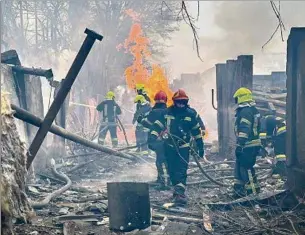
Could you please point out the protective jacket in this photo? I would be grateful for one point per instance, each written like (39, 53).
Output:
(155, 114)
(247, 125)
(110, 109)
(199, 120)
(176, 128)
(142, 110)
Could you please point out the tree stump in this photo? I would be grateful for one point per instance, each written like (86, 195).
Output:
(14, 202)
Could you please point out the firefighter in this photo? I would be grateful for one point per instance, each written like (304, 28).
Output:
(140, 89)
(266, 140)
(247, 128)
(176, 126)
(142, 109)
(158, 147)
(109, 109)
(276, 129)
(202, 127)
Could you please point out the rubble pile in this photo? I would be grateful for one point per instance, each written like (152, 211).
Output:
(83, 208)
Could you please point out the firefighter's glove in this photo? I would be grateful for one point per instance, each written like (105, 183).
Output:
(203, 133)
(239, 151)
(201, 153)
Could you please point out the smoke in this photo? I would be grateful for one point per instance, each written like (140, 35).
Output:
(227, 30)
(236, 28)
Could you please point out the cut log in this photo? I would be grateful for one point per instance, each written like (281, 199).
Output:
(14, 202)
(275, 102)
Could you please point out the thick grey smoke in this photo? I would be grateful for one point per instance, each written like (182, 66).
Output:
(246, 26)
(237, 28)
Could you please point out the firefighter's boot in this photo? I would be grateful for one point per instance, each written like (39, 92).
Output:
(239, 190)
(179, 197)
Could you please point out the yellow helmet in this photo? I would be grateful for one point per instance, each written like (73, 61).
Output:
(110, 95)
(140, 87)
(140, 98)
(243, 95)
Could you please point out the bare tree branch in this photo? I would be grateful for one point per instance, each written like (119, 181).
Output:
(190, 21)
(280, 26)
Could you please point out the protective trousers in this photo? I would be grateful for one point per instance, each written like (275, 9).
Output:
(244, 172)
(280, 155)
(177, 162)
(141, 139)
(161, 164)
(104, 128)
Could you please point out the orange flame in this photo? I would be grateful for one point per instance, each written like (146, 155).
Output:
(139, 71)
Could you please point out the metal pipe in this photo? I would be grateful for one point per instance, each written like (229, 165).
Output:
(62, 94)
(213, 101)
(36, 121)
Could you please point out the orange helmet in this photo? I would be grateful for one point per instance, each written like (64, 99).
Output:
(180, 95)
(160, 97)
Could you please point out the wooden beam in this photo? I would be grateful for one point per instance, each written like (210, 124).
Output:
(10, 57)
(295, 110)
(47, 73)
(32, 119)
(220, 77)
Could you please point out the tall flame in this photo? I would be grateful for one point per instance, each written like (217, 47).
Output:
(142, 71)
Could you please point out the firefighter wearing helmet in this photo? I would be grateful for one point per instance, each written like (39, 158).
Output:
(158, 147)
(109, 110)
(247, 126)
(140, 89)
(143, 108)
(176, 126)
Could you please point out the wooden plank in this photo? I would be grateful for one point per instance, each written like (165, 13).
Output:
(270, 95)
(48, 73)
(295, 142)
(220, 77)
(230, 87)
(10, 57)
(244, 74)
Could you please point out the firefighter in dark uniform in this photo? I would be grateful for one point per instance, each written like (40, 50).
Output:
(266, 140)
(142, 109)
(276, 129)
(202, 127)
(247, 128)
(140, 89)
(176, 126)
(158, 147)
(109, 110)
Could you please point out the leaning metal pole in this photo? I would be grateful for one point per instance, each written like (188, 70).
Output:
(30, 118)
(62, 93)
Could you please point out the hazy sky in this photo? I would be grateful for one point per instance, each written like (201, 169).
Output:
(228, 29)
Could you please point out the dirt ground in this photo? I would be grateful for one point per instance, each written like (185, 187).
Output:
(89, 191)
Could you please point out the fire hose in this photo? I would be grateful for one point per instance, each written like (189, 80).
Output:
(123, 129)
(48, 198)
(206, 174)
